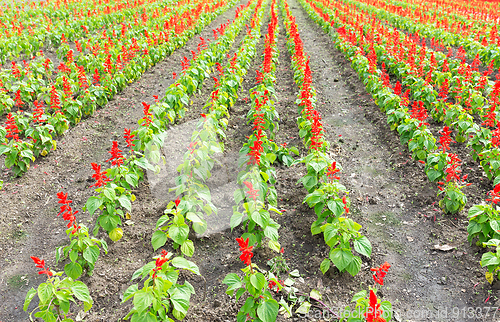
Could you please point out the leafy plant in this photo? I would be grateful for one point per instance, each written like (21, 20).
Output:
(260, 306)
(55, 295)
(161, 296)
(83, 251)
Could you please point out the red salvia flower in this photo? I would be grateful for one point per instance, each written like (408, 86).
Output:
(82, 78)
(11, 127)
(78, 46)
(445, 139)
(69, 57)
(96, 77)
(246, 256)
(99, 176)
(495, 195)
(148, 117)
(252, 193)
(54, 98)
(344, 201)
(380, 273)
(18, 99)
(452, 170)
(40, 263)
(129, 138)
(15, 70)
(332, 169)
(374, 312)
(66, 211)
(160, 261)
(67, 87)
(116, 156)
(38, 112)
(419, 112)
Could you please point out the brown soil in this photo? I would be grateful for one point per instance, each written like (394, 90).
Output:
(391, 197)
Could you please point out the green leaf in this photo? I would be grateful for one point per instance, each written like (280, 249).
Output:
(267, 310)
(81, 292)
(354, 266)
(386, 307)
(187, 248)
(29, 296)
(274, 245)
(73, 270)
(179, 233)
(180, 301)
(142, 300)
(158, 239)
(146, 316)
(341, 258)
(489, 259)
(91, 254)
(363, 246)
(110, 193)
(233, 283)
(360, 295)
(236, 219)
(325, 265)
(329, 233)
(93, 203)
(258, 281)
(132, 179)
(46, 316)
(125, 202)
(45, 292)
(180, 262)
(130, 292)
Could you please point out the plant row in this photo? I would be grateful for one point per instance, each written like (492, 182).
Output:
(39, 126)
(327, 196)
(161, 293)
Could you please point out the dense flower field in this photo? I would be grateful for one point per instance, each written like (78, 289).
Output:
(227, 182)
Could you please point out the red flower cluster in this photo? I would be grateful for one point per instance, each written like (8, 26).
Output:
(380, 273)
(116, 157)
(275, 286)
(374, 312)
(54, 98)
(185, 64)
(40, 263)
(252, 193)
(66, 211)
(18, 99)
(99, 176)
(82, 78)
(96, 77)
(445, 139)
(160, 261)
(443, 90)
(67, 87)
(11, 127)
(129, 138)
(495, 195)
(332, 169)
(344, 201)
(419, 112)
(108, 67)
(15, 70)
(38, 112)
(246, 256)
(148, 117)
